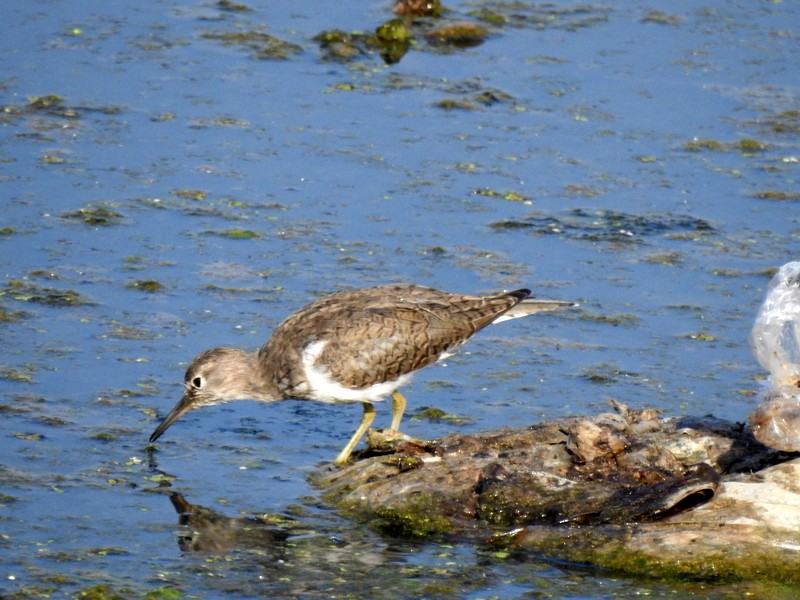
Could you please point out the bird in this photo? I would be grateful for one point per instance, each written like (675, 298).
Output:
(354, 346)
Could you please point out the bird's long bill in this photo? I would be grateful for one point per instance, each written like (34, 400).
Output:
(182, 407)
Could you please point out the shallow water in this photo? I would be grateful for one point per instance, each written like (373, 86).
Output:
(644, 164)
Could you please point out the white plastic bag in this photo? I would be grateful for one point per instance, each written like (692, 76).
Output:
(775, 340)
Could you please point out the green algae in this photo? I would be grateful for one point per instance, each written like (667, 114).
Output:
(52, 421)
(700, 336)
(487, 15)
(661, 18)
(43, 274)
(343, 86)
(450, 104)
(11, 316)
(618, 320)
(751, 145)
(509, 196)
(668, 258)
(472, 95)
(776, 195)
(128, 332)
(429, 413)
(189, 194)
(475, 101)
(723, 272)
(45, 102)
(101, 591)
(195, 202)
(212, 287)
(393, 31)
(261, 46)
(344, 46)
(164, 593)
(408, 463)
(237, 234)
(434, 415)
(460, 34)
(393, 39)
(205, 123)
(149, 286)
(55, 158)
(606, 374)
(51, 105)
(610, 548)
(418, 516)
(229, 6)
(23, 291)
(744, 145)
(17, 375)
(540, 15)
(700, 144)
(607, 226)
(98, 215)
(784, 122)
(435, 251)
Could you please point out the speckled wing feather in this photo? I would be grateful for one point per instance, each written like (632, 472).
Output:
(381, 333)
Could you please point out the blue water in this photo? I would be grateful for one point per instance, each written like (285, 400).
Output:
(351, 175)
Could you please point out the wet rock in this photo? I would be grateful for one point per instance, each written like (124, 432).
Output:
(625, 490)
(746, 531)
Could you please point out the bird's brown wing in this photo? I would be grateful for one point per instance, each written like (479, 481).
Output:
(381, 343)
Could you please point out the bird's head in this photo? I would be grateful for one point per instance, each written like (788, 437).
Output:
(215, 376)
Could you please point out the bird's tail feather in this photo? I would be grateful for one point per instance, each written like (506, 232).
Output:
(530, 306)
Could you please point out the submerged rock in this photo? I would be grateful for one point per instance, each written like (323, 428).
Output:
(627, 490)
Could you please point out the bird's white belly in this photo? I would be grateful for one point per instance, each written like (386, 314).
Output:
(323, 388)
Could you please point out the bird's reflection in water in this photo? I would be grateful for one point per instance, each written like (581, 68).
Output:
(302, 553)
(276, 555)
(208, 531)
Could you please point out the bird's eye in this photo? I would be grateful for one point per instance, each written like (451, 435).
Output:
(197, 382)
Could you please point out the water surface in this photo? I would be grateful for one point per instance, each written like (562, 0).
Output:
(165, 192)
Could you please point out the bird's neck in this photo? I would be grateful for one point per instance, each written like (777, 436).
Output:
(258, 384)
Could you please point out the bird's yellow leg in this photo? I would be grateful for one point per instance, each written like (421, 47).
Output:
(366, 421)
(398, 408)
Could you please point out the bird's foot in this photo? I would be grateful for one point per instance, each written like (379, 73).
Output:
(387, 441)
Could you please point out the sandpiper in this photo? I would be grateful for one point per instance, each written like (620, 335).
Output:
(354, 346)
